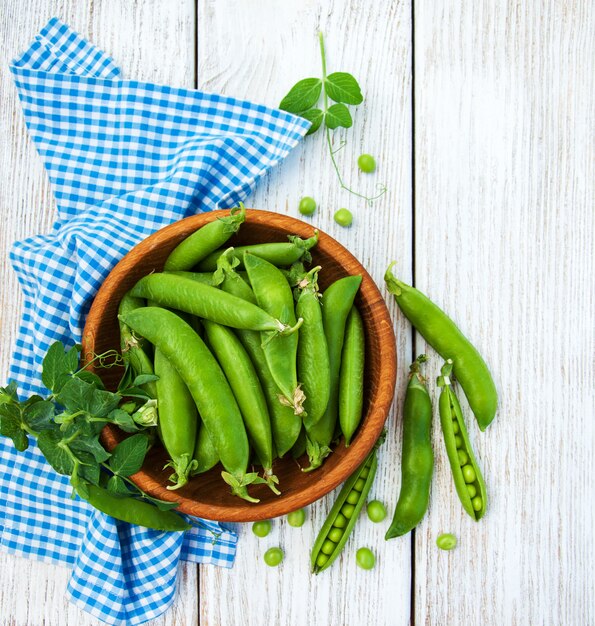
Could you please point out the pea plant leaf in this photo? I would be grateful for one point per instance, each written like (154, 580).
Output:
(342, 87)
(90, 445)
(117, 486)
(91, 378)
(11, 426)
(77, 395)
(39, 414)
(315, 116)
(58, 366)
(55, 452)
(9, 393)
(128, 456)
(302, 96)
(141, 379)
(338, 115)
(123, 420)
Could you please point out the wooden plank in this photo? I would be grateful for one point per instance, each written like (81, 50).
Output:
(505, 231)
(258, 50)
(149, 41)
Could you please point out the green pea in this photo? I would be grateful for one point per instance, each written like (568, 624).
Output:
(307, 205)
(340, 521)
(463, 457)
(364, 473)
(296, 518)
(472, 489)
(366, 163)
(477, 503)
(273, 556)
(328, 547)
(468, 473)
(376, 511)
(455, 427)
(262, 528)
(458, 441)
(321, 559)
(353, 497)
(365, 558)
(446, 541)
(343, 217)
(359, 484)
(335, 534)
(347, 510)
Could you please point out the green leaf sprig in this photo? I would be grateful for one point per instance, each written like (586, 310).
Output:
(343, 89)
(67, 423)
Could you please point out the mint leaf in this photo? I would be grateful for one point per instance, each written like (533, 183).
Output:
(303, 95)
(338, 115)
(56, 455)
(128, 456)
(11, 426)
(315, 116)
(342, 87)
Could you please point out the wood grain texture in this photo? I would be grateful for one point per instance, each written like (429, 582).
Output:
(148, 40)
(258, 49)
(505, 243)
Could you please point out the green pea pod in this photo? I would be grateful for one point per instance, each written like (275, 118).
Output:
(206, 381)
(299, 447)
(273, 294)
(444, 336)
(204, 301)
(417, 458)
(133, 511)
(351, 378)
(205, 240)
(465, 471)
(133, 349)
(337, 301)
(313, 366)
(200, 277)
(277, 253)
(246, 387)
(342, 518)
(178, 420)
(205, 455)
(284, 423)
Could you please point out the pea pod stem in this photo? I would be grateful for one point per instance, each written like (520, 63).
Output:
(450, 343)
(466, 474)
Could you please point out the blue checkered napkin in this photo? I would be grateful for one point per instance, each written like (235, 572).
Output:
(124, 158)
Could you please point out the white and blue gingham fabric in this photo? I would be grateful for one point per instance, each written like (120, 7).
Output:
(124, 158)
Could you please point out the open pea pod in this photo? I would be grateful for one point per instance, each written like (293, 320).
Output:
(465, 470)
(342, 518)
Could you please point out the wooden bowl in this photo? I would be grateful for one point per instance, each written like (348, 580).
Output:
(206, 495)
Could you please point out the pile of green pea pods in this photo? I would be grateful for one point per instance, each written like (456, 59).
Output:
(250, 366)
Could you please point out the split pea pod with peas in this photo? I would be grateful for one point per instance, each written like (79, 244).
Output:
(466, 474)
(445, 337)
(342, 518)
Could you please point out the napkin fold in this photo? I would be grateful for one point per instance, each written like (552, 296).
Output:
(124, 158)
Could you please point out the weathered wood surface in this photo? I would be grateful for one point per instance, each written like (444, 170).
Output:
(497, 227)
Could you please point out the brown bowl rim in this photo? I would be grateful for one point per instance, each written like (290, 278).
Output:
(375, 418)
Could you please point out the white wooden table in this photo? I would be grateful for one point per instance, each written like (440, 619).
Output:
(481, 114)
